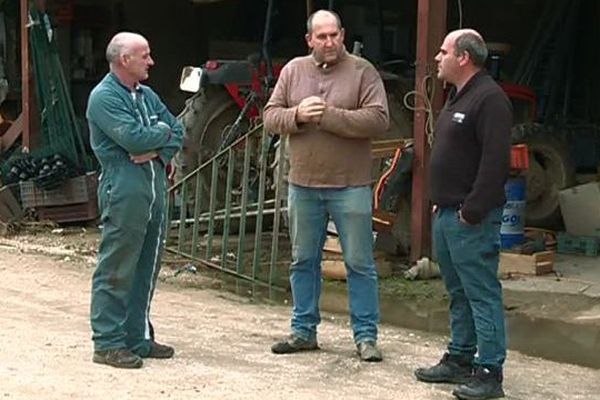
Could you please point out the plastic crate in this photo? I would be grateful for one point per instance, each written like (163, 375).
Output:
(80, 189)
(69, 213)
(572, 244)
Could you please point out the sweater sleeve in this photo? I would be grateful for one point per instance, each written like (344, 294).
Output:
(111, 115)
(370, 119)
(167, 152)
(278, 116)
(494, 121)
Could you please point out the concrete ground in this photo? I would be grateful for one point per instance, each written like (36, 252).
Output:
(579, 275)
(222, 344)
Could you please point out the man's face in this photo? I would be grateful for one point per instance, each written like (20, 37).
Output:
(326, 40)
(138, 61)
(447, 62)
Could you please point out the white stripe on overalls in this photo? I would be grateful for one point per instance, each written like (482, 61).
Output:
(156, 249)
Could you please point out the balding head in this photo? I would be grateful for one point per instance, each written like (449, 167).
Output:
(462, 55)
(321, 17)
(469, 41)
(128, 55)
(325, 37)
(122, 43)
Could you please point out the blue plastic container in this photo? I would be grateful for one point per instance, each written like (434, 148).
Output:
(512, 230)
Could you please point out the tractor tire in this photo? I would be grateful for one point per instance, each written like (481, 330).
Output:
(204, 118)
(550, 171)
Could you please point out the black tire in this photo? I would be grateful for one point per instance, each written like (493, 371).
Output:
(206, 115)
(204, 118)
(550, 171)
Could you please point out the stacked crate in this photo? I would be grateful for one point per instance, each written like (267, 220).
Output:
(74, 201)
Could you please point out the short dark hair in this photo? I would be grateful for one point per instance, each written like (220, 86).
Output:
(474, 45)
(309, 21)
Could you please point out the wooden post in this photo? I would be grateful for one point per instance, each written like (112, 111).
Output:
(25, 75)
(431, 29)
(310, 6)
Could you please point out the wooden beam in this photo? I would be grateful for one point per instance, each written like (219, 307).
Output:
(25, 75)
(9, 137)
(310, 6)
(431, 29)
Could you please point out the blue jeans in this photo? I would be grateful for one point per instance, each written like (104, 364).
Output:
(350, 208)
(468, 257)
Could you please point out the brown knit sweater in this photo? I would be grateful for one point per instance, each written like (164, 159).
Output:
(336, 152)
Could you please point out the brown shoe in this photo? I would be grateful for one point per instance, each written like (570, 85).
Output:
(161, 351)
(118, 358)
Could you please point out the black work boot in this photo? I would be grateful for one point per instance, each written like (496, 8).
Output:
(485, 384)
(294, 344)
(161, 351)
(450, 369)
(118, 358)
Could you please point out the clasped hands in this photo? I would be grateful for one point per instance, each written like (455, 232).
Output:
(310, 110)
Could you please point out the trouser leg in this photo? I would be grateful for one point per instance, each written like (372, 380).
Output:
(308, 225)
(475, 255)
(351, 210)
(463, 340)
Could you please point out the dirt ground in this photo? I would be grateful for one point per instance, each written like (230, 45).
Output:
(222, 344)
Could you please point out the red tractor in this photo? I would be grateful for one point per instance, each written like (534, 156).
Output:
(229, 96)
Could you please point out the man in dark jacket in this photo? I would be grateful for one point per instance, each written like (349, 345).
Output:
(469, 167)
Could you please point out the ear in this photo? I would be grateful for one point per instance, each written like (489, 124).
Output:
(464, 59)
(124, 58)
(342, 34)
(308, 38)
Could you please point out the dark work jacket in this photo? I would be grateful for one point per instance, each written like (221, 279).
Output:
(470, 159)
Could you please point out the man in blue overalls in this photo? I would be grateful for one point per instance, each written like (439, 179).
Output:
(134, 137)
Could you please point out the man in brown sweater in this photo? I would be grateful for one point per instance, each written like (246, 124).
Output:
(330, 104)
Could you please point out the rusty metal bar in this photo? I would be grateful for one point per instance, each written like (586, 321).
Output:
(264, 145)
(226, 223)
(279, 184)
(217, 267)
(244, 207)
(182, 216)
(197, 209)
(213, 204)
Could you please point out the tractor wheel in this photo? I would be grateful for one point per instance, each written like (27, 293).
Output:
(205, 116)
(550, 171)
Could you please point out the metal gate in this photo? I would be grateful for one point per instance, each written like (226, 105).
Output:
(229, 216)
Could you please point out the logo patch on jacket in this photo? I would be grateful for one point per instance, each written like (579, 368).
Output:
(458, 117)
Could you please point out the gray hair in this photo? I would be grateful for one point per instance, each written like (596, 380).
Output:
(474, 45)
(309, 21)
(114, 50)
(120, 44)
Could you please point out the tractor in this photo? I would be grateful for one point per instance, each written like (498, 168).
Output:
(228, 97)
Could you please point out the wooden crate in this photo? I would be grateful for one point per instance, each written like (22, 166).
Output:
(525, 264)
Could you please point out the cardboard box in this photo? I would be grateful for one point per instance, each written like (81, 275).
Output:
(523, 264)
(580, 208)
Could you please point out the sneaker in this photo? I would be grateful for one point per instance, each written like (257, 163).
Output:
(158, 350)
(485, 384)
(118, 358)
(294, 344)
(450, 369)
(368, 351)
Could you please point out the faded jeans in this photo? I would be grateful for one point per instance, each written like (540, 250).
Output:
(468, 257)
(309, 210)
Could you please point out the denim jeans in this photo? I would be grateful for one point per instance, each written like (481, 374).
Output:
(468, 257)
(309, 210)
